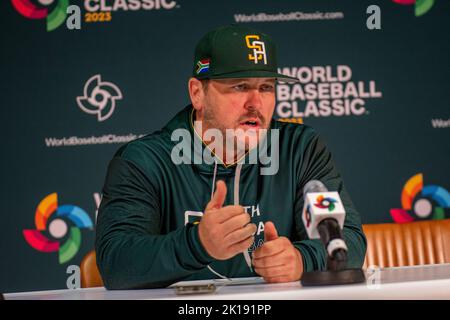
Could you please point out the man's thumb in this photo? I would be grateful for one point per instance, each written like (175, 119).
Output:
(219, 196)
(270, 232)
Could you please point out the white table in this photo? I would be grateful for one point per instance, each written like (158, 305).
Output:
(419, 282)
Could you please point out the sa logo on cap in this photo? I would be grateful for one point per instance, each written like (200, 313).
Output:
(259, 49)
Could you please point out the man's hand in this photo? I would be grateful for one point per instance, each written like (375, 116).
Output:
(225, 231)
(277, 260)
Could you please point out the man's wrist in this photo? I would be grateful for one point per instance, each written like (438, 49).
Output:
(300, 262)
(302, 257)
(198, 250)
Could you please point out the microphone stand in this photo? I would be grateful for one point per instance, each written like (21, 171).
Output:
(336, 274)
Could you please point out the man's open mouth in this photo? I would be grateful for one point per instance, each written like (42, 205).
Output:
(251, 123)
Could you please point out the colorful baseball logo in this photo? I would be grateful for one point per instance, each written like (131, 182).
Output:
(421, 201)
(49, 214)
(325, 203)
(54, 18)
(420, 6)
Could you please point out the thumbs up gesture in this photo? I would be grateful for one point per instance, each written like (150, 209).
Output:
(270, 232)
(277, 260)
(225, 231)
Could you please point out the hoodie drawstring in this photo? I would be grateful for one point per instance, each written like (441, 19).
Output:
(212, 194)
(237, 178)
(214, 179)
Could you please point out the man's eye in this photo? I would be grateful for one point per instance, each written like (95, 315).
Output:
(267, 88)
(240, 87)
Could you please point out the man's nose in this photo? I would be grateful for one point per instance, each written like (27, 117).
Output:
(254, 100)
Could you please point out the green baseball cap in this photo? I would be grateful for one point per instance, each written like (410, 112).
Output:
(234, 51)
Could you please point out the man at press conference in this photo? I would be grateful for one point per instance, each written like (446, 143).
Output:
(181, 204)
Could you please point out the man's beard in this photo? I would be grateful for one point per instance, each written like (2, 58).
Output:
(238, 142)
(210, 121)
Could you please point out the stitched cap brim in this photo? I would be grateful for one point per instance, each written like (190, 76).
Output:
(252, 74)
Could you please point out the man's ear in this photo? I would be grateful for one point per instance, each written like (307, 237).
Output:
(196, 93)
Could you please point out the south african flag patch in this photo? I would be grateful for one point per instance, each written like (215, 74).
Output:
(202, 66)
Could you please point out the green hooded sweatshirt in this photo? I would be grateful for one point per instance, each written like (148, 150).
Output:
(147, 225)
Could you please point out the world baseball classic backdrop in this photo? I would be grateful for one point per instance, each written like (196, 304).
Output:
(79, 78)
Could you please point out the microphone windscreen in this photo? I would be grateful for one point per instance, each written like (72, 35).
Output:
(314, 186)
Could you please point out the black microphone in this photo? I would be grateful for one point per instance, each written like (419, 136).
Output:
(324, 216)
